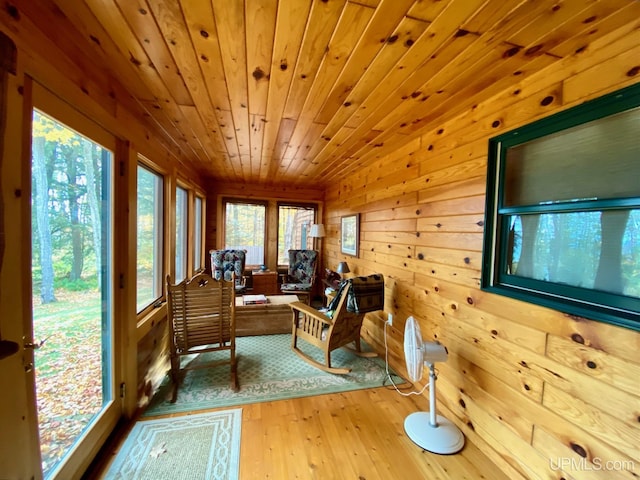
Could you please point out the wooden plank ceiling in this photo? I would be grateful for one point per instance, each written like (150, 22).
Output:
(302, 92)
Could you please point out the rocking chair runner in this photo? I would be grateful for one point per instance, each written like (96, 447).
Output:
(341, 324)
(201, 319)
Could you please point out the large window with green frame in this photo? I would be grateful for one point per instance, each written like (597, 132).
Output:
(563, 211)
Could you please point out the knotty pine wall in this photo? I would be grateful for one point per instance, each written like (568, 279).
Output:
(536, 389)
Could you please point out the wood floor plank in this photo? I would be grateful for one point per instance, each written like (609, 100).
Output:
(357, 434)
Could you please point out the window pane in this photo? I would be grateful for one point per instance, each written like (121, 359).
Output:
(595, 156)
(181, 234)
(197, 235)
(294, 223)
(149, 248)
(595, 250)
(72, 273)
(245, 230)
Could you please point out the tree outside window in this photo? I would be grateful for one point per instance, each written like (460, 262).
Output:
(149, 238)
(181, 234)
(294, 223)
(245, 230)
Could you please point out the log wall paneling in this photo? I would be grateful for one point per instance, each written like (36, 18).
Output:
(383, 108)
(546, 395)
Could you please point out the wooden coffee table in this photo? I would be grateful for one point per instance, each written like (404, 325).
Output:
(266, 319)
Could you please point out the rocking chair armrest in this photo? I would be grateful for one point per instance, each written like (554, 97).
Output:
(300, 307)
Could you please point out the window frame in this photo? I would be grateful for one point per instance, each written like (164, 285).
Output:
(198, 262)
(184, 234)
(162, 206)
(246, 201)
(616, 309)
(301, 205)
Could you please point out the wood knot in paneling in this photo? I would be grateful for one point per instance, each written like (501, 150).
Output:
(258, 74)
(548, 100)
(633, 72)
(576, 337)
(511, 52)
(13, 11)
(579, 449)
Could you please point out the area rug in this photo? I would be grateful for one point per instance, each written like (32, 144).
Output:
(267, 370)
(200, 446)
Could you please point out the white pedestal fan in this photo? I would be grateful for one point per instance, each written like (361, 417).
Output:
(428, 430)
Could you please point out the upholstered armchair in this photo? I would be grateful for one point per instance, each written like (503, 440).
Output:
(226, 263)
(301, 273)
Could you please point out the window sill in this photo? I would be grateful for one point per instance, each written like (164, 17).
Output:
(150, 320)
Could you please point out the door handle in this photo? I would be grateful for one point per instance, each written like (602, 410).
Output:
(35, 346)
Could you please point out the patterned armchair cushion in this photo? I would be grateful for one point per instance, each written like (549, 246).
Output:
(302, 266)
(224, 263)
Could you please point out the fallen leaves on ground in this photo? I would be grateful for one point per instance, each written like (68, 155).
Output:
(68, 370)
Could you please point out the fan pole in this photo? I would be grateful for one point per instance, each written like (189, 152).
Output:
(431, 431)
(432, 395)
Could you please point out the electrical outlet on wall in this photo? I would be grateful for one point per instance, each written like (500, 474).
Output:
(390, 319)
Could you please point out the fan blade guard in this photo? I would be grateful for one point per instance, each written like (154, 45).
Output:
(413, 353)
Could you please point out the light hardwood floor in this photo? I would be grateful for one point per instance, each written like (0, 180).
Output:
(353, 435)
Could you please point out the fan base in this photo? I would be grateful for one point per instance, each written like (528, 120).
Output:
(443, 439)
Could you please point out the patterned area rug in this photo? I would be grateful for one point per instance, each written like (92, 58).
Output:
(201, 446)
(267, 370)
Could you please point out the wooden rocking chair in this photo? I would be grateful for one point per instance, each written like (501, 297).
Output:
(340, 324)
(201, 319)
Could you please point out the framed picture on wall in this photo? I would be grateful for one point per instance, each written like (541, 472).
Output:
(350, 234)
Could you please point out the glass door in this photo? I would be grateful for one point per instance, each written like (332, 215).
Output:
(72, 278)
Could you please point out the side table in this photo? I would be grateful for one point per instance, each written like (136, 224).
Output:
(265, 282)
